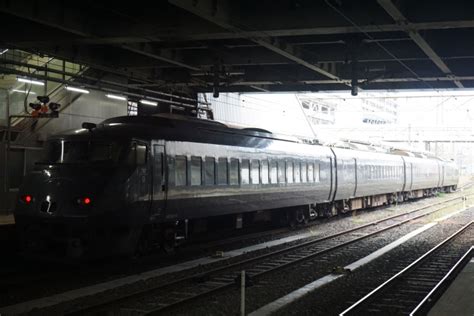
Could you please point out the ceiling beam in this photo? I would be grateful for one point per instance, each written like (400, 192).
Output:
(218, 13)
(398, 16)
(259, 83)
(178, 34)
(334, 30)
(40, 11)
(166, 55)
(58, 15)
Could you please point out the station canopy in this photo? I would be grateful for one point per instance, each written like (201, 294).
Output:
(196, 46)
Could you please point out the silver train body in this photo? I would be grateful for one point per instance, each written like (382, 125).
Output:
(139, 181)
(280, 176)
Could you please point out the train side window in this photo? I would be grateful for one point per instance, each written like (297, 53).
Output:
(273, 172)
(304, 172)
(289, 171)
(254, 171)
(281, 172)
(297, 171)
(136, 154)
(264, 171)
(316, 172)
(310, 172)
(195, 170)
(141, 154)
(245, 171)
(158, 161)
(209, 168)
(234, 171)
(180, 171)
(222, 171)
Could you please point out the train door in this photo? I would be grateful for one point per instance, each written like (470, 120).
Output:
(138, 182)
(407, 175)
(159, 183)
(355, 177)
(333, 174)
(441, 175)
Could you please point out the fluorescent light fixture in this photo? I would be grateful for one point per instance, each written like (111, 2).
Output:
(77, 89)
(116, 97)
(38, 83)
(3, 51)
(148, 102)
(23, 91)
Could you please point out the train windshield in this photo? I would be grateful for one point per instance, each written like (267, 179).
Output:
(63, 151)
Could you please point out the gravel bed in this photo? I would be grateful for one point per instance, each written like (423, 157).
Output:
(60, 278)
(328, 229)
(275, 285)
(335, 297)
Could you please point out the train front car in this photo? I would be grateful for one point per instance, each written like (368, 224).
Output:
(83, 197)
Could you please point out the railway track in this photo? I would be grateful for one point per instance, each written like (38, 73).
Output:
(431, 298)
(16, 283)
(185, 290)
(406, 292)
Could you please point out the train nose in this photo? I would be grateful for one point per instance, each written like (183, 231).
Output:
(50, 197)
(56, 195)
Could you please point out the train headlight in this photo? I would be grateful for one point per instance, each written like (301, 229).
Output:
(26, 198)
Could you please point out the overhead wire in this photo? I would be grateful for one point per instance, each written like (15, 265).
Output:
(379, 44)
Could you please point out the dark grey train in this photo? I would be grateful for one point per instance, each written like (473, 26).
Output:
(140, 182)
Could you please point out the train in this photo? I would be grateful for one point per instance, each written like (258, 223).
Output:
(132, 184)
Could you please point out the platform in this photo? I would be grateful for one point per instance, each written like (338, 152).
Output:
(458, 298)
(7, 220)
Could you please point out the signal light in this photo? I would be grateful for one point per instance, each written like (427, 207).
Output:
(54, 106)
(27, 198)
(35, 106)
(85, 201)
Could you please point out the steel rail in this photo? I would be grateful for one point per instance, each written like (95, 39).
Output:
(404, 271)
(431, 298)
(203, 276)
(293, 262)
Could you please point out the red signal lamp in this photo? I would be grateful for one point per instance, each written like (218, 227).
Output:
(85, 201)
(27, 198)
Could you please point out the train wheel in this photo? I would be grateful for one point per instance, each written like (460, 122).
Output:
(143, 244)
(169, 240)
(297, 218)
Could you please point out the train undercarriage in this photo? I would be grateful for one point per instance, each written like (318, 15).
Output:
(168, 236)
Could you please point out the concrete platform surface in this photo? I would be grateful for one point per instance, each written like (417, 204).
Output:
(7, 220)
(458, 300)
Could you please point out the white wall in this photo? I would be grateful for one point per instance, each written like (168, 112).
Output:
(279, 113)
(93, 107)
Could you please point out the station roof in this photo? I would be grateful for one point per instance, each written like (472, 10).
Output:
(286, 45)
